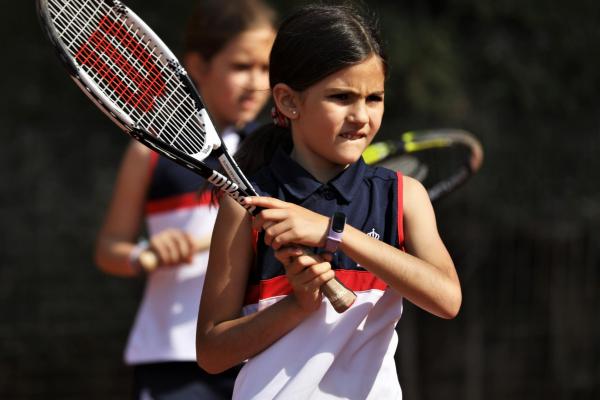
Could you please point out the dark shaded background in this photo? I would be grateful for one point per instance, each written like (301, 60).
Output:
(523, 76)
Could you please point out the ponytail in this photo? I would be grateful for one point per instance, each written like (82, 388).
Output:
(258, 148)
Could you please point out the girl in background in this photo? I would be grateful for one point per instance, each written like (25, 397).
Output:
(227, 45)
(262, 301)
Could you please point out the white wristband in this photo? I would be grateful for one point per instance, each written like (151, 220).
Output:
(134, 256)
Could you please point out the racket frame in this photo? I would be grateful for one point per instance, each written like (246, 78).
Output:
(235, 185)
(417, 141)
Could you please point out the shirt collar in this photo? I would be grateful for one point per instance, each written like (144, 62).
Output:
(301, 184)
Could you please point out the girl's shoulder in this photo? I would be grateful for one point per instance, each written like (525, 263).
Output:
(411, 187)
(383, 174)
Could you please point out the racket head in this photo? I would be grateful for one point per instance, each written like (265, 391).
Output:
(134, 78)
(129, 73)
(442, 159)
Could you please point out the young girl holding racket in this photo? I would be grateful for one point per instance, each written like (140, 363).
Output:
(226, 54)
(262, 301)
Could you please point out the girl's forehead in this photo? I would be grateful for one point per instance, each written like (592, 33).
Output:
(368, 74)
(254, 42)
(262, 37)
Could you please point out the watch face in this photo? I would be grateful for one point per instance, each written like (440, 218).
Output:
(338, 221)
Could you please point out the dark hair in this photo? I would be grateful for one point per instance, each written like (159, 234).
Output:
(311, 44)
(215, 22)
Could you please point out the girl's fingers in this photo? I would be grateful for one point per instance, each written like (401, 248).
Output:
(306, 269)
(183, 247)
(191, 246)
(285, 255)
(300, 263)
(266, 218)
(171, 252)
(315, 273)
(286, 223)
(162, 252)
(265, 202)
(284, 238)
(173, 247)
(311, 278)
(306, 273)
(274, 232)
(318, 281)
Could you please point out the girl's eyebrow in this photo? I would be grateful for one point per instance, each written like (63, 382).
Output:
(351, 90)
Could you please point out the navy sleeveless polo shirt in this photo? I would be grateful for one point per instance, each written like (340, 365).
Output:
(367, 195)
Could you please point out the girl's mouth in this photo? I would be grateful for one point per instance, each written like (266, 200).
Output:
(352, 135)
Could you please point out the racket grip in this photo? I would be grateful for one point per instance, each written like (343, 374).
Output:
(340, 296)
(148, 260)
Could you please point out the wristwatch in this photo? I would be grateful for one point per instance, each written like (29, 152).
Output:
(336, 229)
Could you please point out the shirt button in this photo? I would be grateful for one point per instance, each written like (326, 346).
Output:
(328, 194)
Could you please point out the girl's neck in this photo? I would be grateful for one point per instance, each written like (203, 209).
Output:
(320, 168)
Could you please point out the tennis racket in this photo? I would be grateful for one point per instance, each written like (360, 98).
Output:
(443, 159)
(133, 77)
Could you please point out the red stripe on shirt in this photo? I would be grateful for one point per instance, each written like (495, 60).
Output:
(279, 286)
(400, 211)
(153, 162)
(172, 203)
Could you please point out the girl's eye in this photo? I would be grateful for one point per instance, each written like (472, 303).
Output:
(241, 67)
(347, 97)
(375, 98)
(340, 96)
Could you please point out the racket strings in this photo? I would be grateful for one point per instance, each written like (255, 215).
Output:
(443, 159)
(143, 83)
(130, 71)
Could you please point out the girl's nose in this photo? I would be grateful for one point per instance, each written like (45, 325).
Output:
(258, 79)
(359, 114)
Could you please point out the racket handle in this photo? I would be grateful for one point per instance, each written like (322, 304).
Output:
(340, 296)
(148, 260)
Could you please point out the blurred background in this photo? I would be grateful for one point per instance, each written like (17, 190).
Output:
(523, 76)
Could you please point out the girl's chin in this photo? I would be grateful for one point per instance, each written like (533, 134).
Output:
(348, 158)
(353, 151)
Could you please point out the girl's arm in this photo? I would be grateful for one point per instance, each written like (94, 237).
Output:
(424, 274)
(122, 223)
(121, 226)
(224, 338)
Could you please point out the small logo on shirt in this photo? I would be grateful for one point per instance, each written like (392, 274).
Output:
(373, 234)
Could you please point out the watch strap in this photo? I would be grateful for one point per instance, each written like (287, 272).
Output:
(336, 230)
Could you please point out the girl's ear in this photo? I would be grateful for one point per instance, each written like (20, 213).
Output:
(286, 99)
(196, 66)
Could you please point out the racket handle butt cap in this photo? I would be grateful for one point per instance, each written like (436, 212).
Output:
(340, 297)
